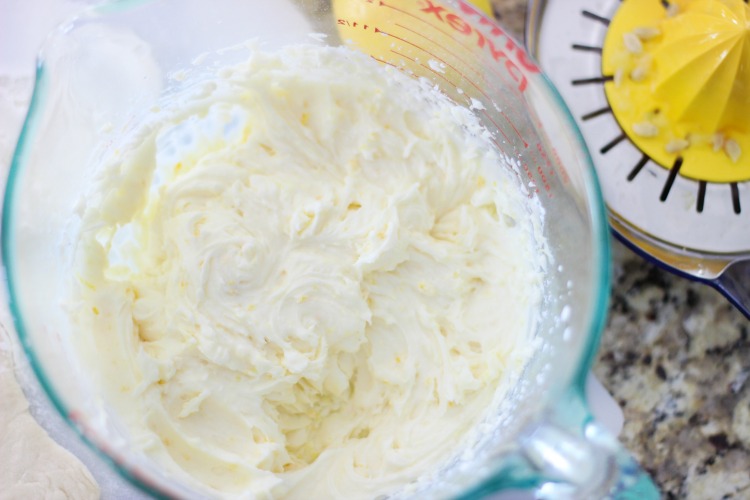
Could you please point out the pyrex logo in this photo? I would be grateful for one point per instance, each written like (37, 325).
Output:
(483, 41)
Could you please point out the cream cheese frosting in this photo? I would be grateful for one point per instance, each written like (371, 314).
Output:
(313, 278)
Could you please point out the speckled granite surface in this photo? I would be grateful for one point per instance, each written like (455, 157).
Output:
(676, 356)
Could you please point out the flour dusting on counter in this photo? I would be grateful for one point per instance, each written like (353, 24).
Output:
(312, 279)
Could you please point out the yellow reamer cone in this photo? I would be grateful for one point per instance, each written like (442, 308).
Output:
(681, 83)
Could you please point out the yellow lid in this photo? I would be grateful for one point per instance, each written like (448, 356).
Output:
(681, 83)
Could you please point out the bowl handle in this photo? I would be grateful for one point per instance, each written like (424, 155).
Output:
(584, 463)
(734, 283)
(568, 455)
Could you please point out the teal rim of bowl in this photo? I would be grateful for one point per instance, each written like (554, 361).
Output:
(9, 256)
(601, 240)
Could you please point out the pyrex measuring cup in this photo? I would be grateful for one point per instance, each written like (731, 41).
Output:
(101, 72)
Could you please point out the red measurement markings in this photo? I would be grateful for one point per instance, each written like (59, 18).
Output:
(448, 35)
(560, 171)
(531, 177)
(513, 126)
(477, 87)
(550, 172)
(514, 171)
(436, 73)
(479, 73)
(495, 30)
(440, 75)
(491, 68)
(401, 69)
(353, 24)
(545, 182)
(445, 33)
(399, 54)
(452, 17)
(404, 56)
(494, 141)
(385, 62)
(483, 77)
(462, 26)
(513, 167)
(485, 113)
(563, 170)
(466, 29)
(489, 100)
(436, 57)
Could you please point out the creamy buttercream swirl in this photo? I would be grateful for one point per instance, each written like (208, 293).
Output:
(310, 279)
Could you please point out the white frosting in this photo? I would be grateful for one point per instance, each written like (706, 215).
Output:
(310, 279)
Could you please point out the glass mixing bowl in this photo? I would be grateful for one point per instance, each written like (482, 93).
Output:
(99, 73)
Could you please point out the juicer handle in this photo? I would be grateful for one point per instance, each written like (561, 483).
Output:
(587, 463)
(734, 283)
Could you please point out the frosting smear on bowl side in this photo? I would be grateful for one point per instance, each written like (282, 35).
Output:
(313, 278)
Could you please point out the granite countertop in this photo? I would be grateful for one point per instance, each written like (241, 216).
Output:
(676, 356)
